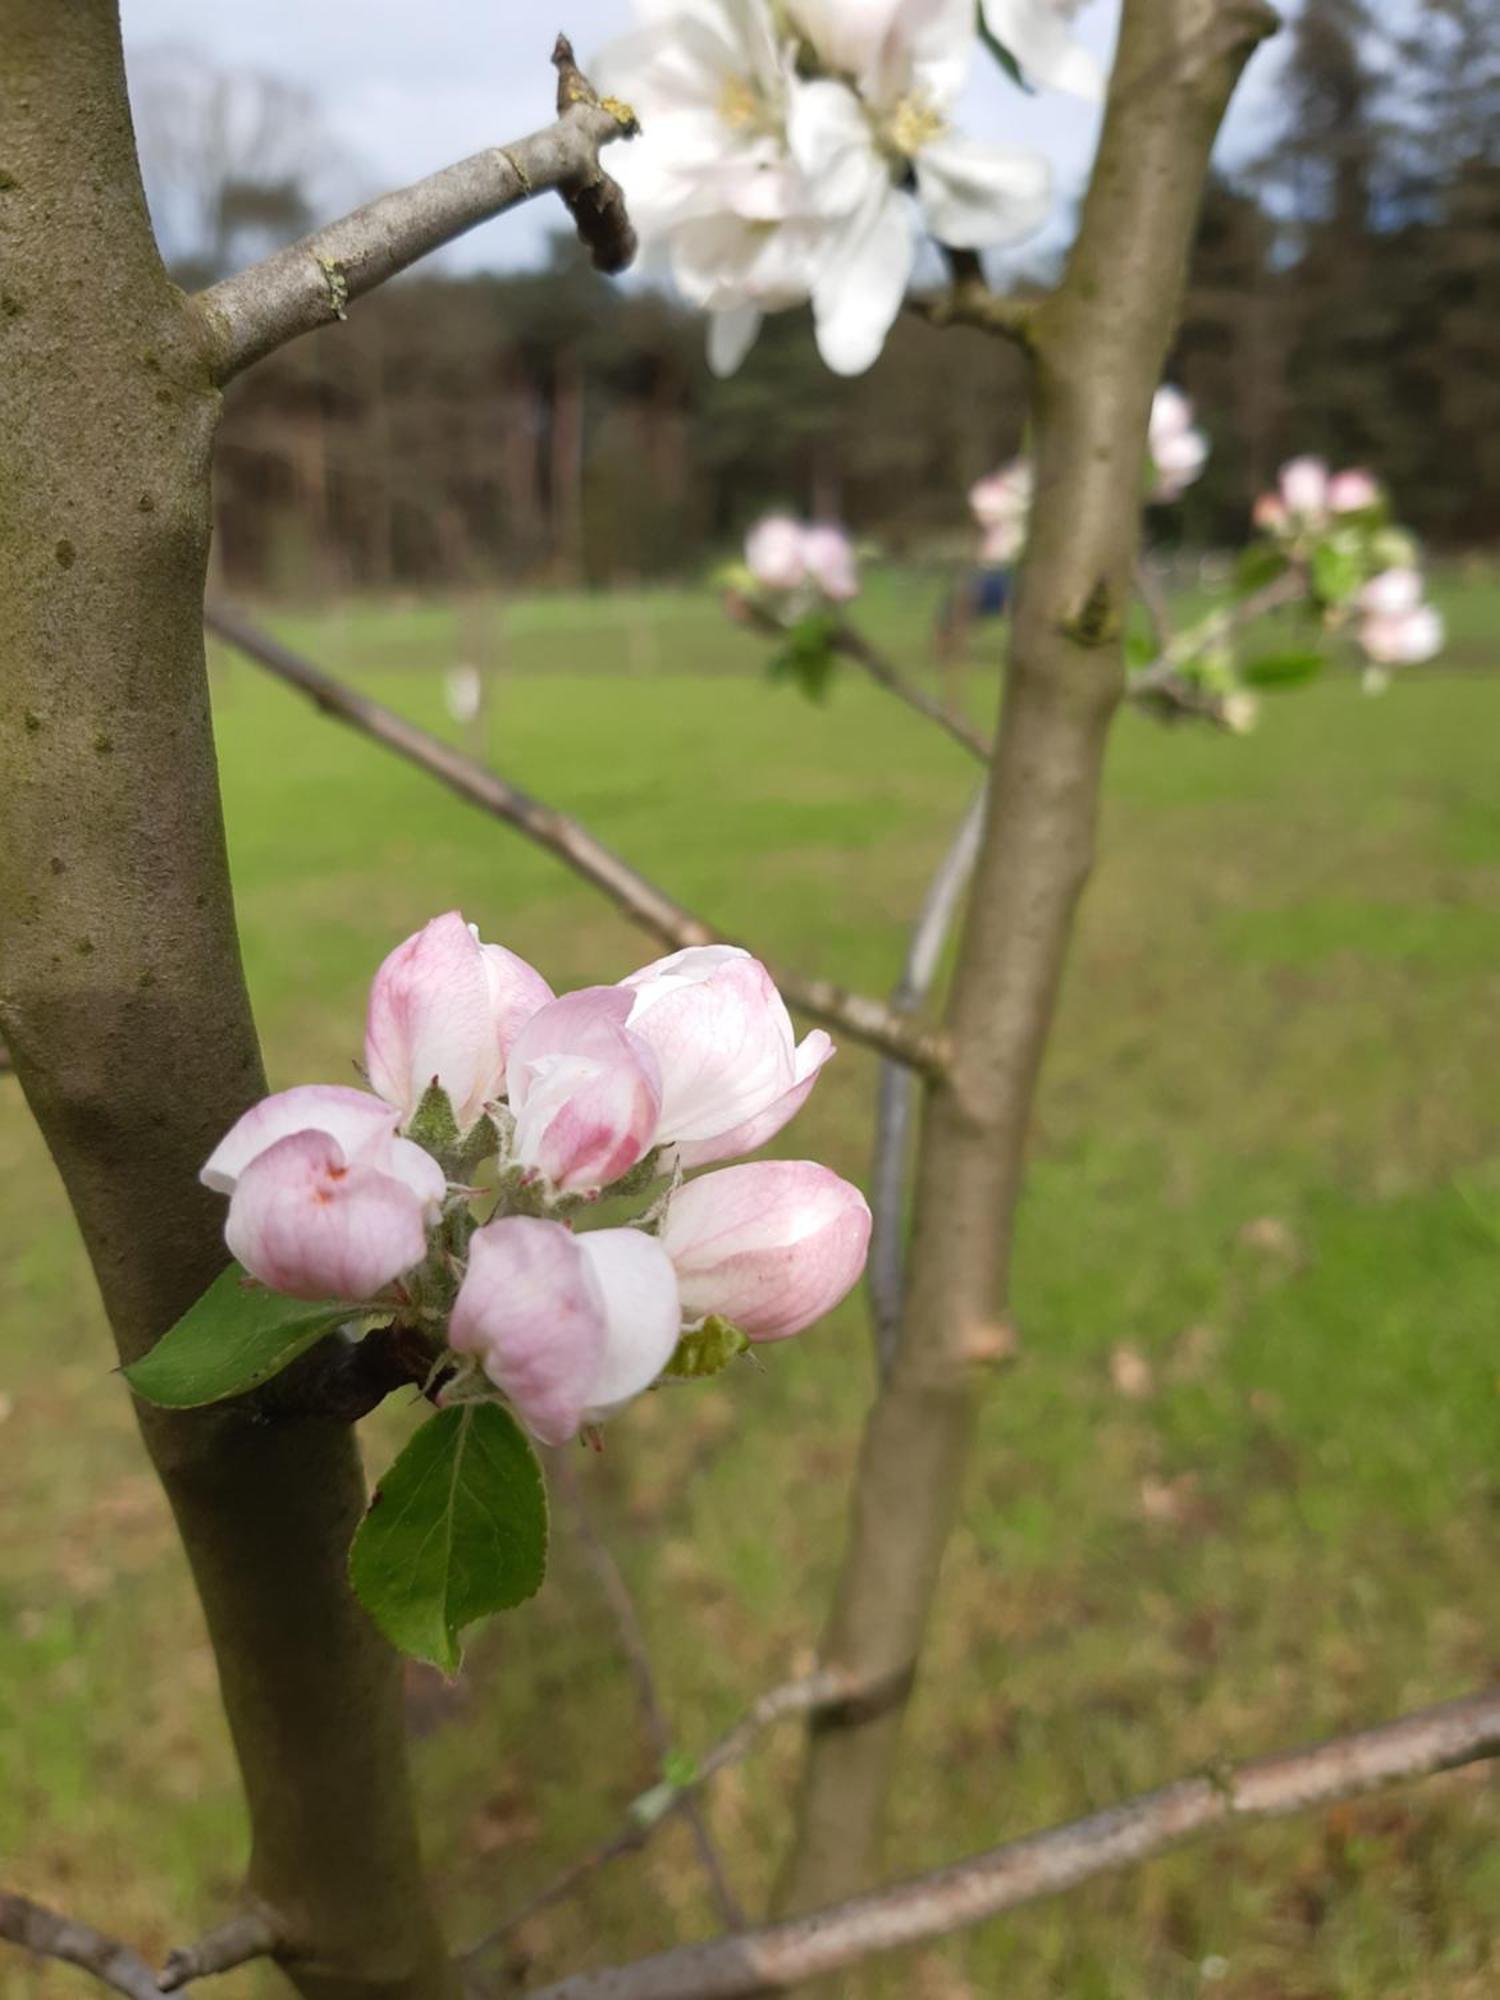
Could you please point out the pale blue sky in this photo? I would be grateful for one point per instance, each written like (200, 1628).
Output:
(406, 87)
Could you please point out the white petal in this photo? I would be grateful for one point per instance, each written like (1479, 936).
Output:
(974, 194)
(833, 143)
(858, 294)
(639, 1287)
(731, 335)
(1036, 33)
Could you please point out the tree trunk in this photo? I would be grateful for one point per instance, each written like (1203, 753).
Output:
(121, 993)
(1097, 348)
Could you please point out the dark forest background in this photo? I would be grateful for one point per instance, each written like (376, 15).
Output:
(1345, 299)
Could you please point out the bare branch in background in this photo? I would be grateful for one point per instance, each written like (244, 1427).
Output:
(617, 1595)
(783, 1955)
(314, 281)
(48, 1935)
(866, 1020)
(897, 1101)
(807, 1695)
(241, 1940)
(7, 1067)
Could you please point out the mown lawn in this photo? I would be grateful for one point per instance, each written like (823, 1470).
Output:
(1242, 1485)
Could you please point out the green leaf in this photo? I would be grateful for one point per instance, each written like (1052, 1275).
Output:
(1261, 563)
(237, 1336)
(1284, 669)
(708, 1349)
(806, 655)
(1002, 55)
(1336, 573)
(456, 1529)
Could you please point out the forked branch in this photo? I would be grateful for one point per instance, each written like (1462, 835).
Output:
(780, 1956)
(856, 1014)
(312, 282)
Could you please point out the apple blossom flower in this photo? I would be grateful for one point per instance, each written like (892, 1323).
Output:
(1001, 504)
(774, 553)
(1403, 639)
(1037, 34)
(777, 142)
(568, 1327)
(1304, 488)
(1392, 594)
(731, 1071)
(1353, 492)
(831, 565)
(311, 1222)
(785, 555)
(445, 1009)
(1178, 449)
(327, 1201)
(585, 1091)
(770, 1246)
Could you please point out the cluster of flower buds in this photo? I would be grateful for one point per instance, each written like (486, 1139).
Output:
(1001, 504)
(479, 1073)
(1337, 526)
(1177, 448)
(801, 562)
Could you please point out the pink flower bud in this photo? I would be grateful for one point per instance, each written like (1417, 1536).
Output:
(1304, 486)
(775, 554)
(725, 1047)
(1353, 492)
(308, 1221)
(831, 567)
(1178, 450)
(568, 1327)
(446, 1008)
(1403, 639)
(811, 1054)
(1002, 499)
(585, 1090)
(360, 1123)
(1269, 513)
(771, 1246)
(1392, 594)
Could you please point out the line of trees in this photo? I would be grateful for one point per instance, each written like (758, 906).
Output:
(1345, 299)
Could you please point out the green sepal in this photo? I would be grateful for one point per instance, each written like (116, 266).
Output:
(707, 1350)
(806, 656)
(455, 1530)
(235, 1337)
(433, 1125)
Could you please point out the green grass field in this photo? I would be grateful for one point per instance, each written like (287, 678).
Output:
(1241, 1487)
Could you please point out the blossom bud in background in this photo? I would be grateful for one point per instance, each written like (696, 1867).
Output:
(770, 1246)
(1304, 487)
(463, 690)
(569, 1327)
(1178, 449)
(1405, 640)
(775, 554)
(1001, 504)
(312, 1222)
(731, 1071)
(831, 567)
(1353, 492)
(1240, 711)
(445, 1008)
(584, 1090)
(1392, 594)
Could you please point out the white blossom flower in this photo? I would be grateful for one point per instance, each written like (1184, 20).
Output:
(780, 151)
(1179, 450)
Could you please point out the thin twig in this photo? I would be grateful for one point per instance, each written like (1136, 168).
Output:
(896, 1103)
(239, 1941)
(804, 1696)
(968, 301)
(865, 1020)
(50, 1935)
(312, 282)
(930, 1906)
(617, 1595)
(846, 639)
